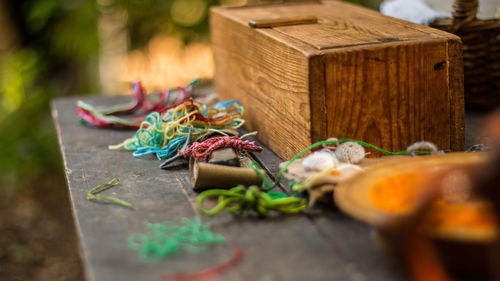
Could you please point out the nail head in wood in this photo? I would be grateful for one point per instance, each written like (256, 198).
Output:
(266, 23)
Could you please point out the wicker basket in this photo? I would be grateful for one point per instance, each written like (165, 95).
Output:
(481, 42)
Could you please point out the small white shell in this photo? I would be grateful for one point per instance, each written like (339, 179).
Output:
(320, 161)
(350, 152)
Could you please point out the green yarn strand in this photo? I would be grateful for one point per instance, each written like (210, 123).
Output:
(93, 196)
(167, 239)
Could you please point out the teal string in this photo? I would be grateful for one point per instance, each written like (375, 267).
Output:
(167, 239)
(277, 195)
(169, 151)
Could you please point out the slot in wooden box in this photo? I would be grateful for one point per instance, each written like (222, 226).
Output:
(354, 74)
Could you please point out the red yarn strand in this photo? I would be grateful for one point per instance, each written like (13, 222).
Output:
(201, 150)
(210, 272)
(140, 102)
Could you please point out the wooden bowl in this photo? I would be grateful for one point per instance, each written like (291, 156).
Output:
(412, 181)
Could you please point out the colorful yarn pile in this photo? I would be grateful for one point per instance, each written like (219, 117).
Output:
(240, 200)
(169, 239)
(108, 117)
(201, 150)
(162, 135)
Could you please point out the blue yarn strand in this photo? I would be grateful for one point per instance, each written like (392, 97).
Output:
(169, 151)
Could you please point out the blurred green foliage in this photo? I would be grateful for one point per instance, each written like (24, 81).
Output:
(55, 48)
(187, 18)
(56, 53)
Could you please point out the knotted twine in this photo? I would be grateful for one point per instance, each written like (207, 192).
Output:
(201, 150)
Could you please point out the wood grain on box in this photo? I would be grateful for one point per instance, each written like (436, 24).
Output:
(354, 74)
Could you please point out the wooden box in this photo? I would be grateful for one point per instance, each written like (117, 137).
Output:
(353, 74)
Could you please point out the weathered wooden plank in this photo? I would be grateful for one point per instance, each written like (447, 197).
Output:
(357, 241)
(328, 246)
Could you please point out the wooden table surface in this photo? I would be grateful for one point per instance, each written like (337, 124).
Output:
(321, 245)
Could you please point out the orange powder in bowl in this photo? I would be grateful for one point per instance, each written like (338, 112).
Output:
(465, 219)
(397, 194)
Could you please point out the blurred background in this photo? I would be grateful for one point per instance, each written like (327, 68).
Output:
(56, 48)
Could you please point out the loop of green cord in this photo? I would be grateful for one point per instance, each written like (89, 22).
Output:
(240, 200)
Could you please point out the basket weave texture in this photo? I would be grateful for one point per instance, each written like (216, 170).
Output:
(481, 43)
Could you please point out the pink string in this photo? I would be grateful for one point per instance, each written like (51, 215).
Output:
(161, 103)
(140, 102)
(201, 150)
(102, 123)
